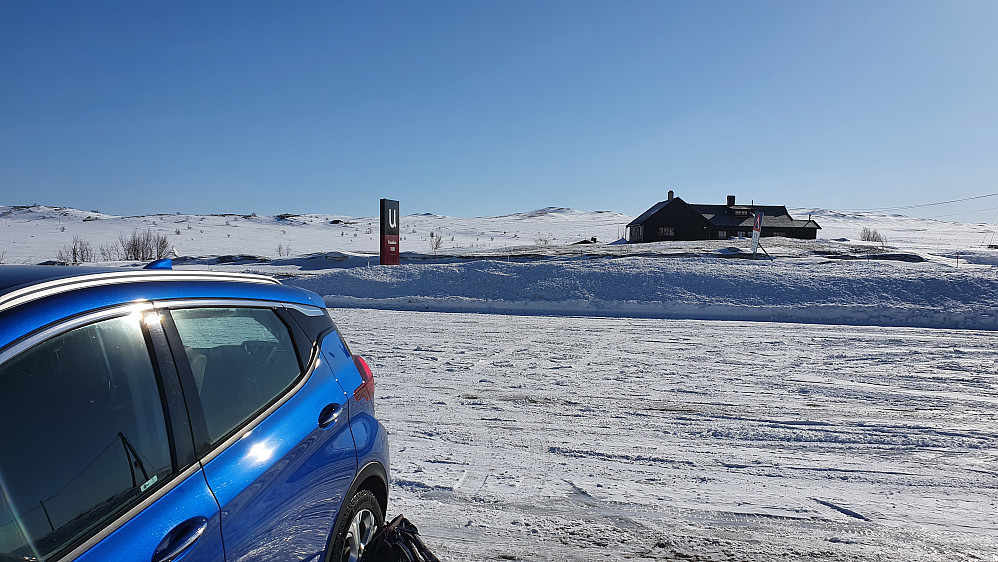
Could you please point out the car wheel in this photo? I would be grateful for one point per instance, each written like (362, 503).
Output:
(361, 519)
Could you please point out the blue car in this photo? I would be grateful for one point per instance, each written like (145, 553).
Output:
(161, 415)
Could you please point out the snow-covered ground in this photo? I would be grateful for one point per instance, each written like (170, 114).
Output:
(632, 406)
(579, 438)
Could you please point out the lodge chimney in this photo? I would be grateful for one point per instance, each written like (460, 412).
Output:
(731, 200)
(671, 195)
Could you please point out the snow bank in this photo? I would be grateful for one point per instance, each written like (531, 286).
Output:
(813, 291)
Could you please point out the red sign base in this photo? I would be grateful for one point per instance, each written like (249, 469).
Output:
(389, 250)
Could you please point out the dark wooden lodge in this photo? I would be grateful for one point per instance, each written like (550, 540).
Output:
(675, 219)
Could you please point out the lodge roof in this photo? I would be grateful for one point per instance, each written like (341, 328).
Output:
(723, 216)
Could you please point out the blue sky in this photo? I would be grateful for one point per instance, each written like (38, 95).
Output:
(483, 108)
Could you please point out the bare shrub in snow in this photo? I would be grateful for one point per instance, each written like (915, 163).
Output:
(110, 252)
(81, 251)
(160, 246)
(435, 241)
(870, 235)
(283, 251)
(143, 246)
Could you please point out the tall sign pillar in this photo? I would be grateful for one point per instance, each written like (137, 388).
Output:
(389, 232)
(756, 232)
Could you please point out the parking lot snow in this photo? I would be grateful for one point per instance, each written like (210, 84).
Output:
(584, 438)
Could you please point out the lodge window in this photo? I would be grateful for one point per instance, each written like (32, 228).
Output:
(741, 212)
(667, 231)
(722, 234)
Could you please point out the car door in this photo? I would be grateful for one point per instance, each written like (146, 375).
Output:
(97, 456)
(277, 473)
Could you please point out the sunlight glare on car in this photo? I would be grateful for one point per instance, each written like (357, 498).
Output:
(260, 452)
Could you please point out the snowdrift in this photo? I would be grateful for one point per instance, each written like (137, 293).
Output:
(877, 293)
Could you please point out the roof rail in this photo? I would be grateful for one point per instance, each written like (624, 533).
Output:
(67, 284)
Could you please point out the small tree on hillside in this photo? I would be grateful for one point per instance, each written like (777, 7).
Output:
(81, 251)
(870, 235)
(142, 246)
(110, 252)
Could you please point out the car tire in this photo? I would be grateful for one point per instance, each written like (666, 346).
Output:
(361, 518)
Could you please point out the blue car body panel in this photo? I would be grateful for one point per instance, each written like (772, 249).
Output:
(369, 435)
(138, 538)
(280, 485)
(272, 491)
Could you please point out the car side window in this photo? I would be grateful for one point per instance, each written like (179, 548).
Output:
(242, 360)
(84, 436)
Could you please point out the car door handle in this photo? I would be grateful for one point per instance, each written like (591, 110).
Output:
(329, 414)
(179, 539)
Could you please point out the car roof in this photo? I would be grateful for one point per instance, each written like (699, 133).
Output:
(14, 276)
(33, 296)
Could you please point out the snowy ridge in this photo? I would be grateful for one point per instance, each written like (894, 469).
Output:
(900, 230)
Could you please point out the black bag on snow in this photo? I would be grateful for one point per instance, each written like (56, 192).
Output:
(397, 541)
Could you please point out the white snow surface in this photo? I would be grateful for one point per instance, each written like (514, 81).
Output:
(621, 401)
(581, 438)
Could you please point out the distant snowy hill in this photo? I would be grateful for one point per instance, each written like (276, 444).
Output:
(34, 234)
(901, 231)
